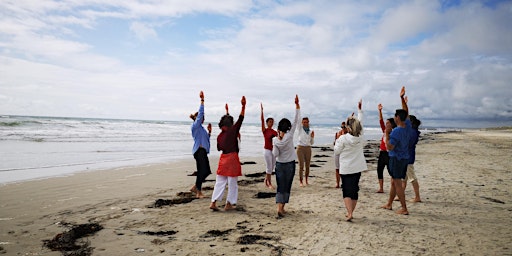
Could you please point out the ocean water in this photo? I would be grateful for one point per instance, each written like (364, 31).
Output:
(41, 147)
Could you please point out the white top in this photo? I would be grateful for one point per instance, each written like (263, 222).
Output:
(305, 139)
(350, 149)
(283, 149)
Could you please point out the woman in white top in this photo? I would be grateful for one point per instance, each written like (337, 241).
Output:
(352, 162)
(284, 152)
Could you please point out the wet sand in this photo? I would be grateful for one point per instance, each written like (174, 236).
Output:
(465, 180)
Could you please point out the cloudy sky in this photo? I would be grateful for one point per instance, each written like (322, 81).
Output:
(149, 59)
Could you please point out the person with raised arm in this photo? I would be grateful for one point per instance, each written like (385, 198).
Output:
(306, 140)
(397, 143)
(350, 148)
(283, 150)
(268, 134)
(229, 168)
(383, 159)
(201, 147)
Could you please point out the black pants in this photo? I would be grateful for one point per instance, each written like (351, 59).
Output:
(203, 167)
(350, 185)
(383, 162)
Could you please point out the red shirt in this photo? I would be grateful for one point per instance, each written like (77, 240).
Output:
(382, 143)
(227, 141)
(268, 134)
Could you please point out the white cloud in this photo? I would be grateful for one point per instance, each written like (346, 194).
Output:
(455, 62)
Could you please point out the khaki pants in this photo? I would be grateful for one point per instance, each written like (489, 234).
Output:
(304, 157)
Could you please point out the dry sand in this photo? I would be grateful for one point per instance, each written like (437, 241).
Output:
(465, 180)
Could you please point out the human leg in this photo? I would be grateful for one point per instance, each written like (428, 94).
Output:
(284, 179)
(218, 191)
(307, 162)
(350, 189)
(232, 197)
(203, 170)
(301, 159)
(382, 162)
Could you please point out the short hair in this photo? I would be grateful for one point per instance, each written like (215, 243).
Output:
(401, 113)
(354, 126)
(284, 125)
(268, 119)
(226, 120)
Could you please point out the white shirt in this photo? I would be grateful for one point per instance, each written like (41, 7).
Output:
(283, 149)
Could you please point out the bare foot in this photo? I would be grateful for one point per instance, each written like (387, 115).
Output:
(415, 200)
(193, 189)
(403, 212)
(349, 219)
(280, 214)
(214, 207)
(380, 191)
(397, 199)
(229, 207)
(302, 185)
(387, 207)
(199, 195)
(337, 186)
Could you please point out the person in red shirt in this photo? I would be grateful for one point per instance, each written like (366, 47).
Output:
(383, 154)
(268, 134)
(229, 163)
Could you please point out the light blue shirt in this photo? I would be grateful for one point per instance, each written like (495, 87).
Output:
(199, 133)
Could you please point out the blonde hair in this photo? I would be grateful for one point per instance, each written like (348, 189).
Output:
(354, 126)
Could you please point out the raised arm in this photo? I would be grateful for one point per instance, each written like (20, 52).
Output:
(262, 119)
(404, 100)
(381, 119)
(242, 112)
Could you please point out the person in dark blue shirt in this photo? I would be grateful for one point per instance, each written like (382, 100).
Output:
(397, 143)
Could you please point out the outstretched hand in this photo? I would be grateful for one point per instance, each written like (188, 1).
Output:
(402, 92)
(201, 95)
(243, 101)
(360, 104)
(296, 99)
(379, 107)
(227, 109)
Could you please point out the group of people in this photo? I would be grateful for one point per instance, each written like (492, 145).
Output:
(397, 152)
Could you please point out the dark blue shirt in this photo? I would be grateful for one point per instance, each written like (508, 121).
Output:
(399, 138)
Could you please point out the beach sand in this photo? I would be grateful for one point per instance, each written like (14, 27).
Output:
(465, 182)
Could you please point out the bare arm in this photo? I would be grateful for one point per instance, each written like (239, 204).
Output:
(404, 100)
(242, 112)
(262, 119)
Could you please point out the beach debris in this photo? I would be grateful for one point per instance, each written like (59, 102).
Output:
(253, 239)
(256, 175)
(67, 243)
(249, 182)
(247, 162)
(265, 195)
(140, 250)
(493, 200)
(183, 198)
(192, 174)
(158, 233)
(216, 233)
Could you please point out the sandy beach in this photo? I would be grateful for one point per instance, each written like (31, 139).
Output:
(465, 182)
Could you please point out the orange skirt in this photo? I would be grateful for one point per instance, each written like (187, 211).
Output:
(229, 165)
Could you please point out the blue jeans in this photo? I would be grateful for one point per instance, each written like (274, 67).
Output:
(284, 180)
